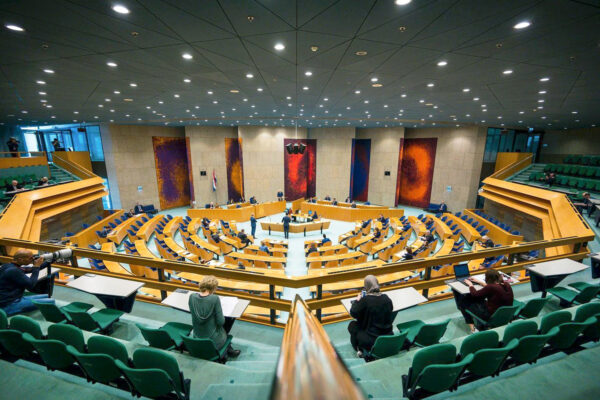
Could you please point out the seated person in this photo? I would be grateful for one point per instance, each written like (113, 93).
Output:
(205, 222)
(352, 234)
(325, 240)
(241, 265)
(243, 237)
(427, 237)
(348, 200)
(14, 282)
(130, 213)
(212, 205)
(551, 179)
(43, 181)
(280, 195)
(353, 205)
(207, 315)
(253, 200)
(327, 198)
(486, 242)
(484, 302)
(313, 200)
(373, 314)
(104, 232)
(230, 201)
(311, 249)
(263, 247)
(315, 216)
(138, 209)
(376, 235)
(14, 186)
(334, 202)
(443, 207)
(216, 237)
(584, 204)
(408, 254)
(365, 223)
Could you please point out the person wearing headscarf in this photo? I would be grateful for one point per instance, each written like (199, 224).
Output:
(373, 314)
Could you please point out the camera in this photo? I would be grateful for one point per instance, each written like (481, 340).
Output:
(63, 255)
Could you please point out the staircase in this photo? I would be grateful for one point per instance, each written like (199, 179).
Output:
(60, 175)
(523, 175)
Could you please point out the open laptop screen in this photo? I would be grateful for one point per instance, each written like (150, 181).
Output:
(461, 270)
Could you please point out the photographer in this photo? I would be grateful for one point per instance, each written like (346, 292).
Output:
(14, 281)
(13, 146)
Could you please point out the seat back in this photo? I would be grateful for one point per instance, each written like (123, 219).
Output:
(478, 341)
(530, 346)
(52, 352)
(201, 348)
(3, 319)
(488, 361)
(388, 345)
(25, 324)
(587, 294)
(568, 333)
(68, 334)
(586, 311)
(519, 329)
(533, 307)
(150, 382)
(553, 319)
(107, 345)
(83, 320)
(12, 341)
(439, 377)
(431, 333)
(444, 353)
(152, 358)
(156, 337)
(50, 311)
(98, 367)
(502, 316)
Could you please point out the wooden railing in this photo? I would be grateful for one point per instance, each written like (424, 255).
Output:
(513, 168)
(73, 168)
(309, 367)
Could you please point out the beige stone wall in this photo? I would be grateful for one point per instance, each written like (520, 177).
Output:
(385, 146)
(262, 149)
(129, 156)
(207, 147)
(334, 156)
(458, 160)
(558, 144)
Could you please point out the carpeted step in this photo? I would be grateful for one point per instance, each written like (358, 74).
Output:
(236, 391)
(252, 365)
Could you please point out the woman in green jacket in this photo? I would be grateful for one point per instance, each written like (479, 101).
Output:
(207, 315)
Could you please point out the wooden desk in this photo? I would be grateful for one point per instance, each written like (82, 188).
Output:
(269, 260)
(546, 275)
(147, 230)
(88, 236)
(275, 242)
(401, 299)
(180, 250)
(467, 230)
(253, 249)
(269, 208)
(296, 227)
(335, 249)
(120, 232)
(336, 257)
(172, 226)
(386, 243)
(205, 245)
(441, 228)
(497, 234)
(345, 213)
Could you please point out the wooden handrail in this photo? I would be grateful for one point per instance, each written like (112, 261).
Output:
(73, 167)
(511, 169)
(309, 367)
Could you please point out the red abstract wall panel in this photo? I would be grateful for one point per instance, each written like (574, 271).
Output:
(300, 170)
(235, 168)
(172, 171)
(415, 171)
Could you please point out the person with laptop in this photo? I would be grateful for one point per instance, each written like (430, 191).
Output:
(495, 293)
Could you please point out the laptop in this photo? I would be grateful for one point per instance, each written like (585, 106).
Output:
(461, 271)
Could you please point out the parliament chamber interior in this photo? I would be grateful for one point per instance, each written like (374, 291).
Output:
(335, 199)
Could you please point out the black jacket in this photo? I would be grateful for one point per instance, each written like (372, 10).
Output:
(374, 315)
(13, 282)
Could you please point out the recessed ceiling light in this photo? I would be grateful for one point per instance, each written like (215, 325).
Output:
(475, 98)
(249, 75)
(430, 85)
(573, 112)
(361, 53)
(14, 27)
(209, 92)
(187, 80)
(279, 46)
(542, 92)
(75, 112)
(133, 84)
(421, 101)
(522, 25)
(259, 89)
(308, 73)
(24, 112)
(48, 105)
(187, 56)
(40, 82)
(234, 91)
(521, 112)
(403, 95)
(374, 79)
(442, 63)
(466, 90)
(507, 71)
(161, 102)
(121, 9)
(243, 100)
(111, 64)
(544, 79)
(176, 96)
(128, 99)
(49, 71)
(403, 2)
(377, 85)
(305, 88)
(215, 102)
(42, 93)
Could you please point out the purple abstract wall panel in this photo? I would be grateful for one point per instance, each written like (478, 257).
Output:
(172, 171)
(235, 168)
(359, 169)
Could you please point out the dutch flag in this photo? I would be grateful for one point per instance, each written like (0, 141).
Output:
(214, 181)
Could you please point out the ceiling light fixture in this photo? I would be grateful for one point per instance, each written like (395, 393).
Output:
(14, 27)
(522, 25)
(111, 64)
(466, 90)
(187, 56)
(544, 79)
(234, 91)
(308, 73)
(249, 75)
(507, 71)
(377, 85)
(49, 71)
(442, 63)
(374, 79)
(42, 93)
(259, 89)
(121, 9)
(187, 80)
(132, 84)
(361, 53)
(40, 82)
(279, 46)
(402, 2)
(314, 48)
(305, 88)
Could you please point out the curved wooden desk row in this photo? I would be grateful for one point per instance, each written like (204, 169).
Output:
(497, 234)
(349, 214)
(327, 250)
(335, 260)
(241, 214)
(88, 235)
(275, 242)
(147, 230)
(120, 232)
(302, 227)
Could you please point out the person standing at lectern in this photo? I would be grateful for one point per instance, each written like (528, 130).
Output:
(252, 225)
(286, 226)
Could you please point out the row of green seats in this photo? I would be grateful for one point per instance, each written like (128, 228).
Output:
(576, 170)
(579, 159)
(22, 179)
(151, 373)
(438, 368)
(567, 181)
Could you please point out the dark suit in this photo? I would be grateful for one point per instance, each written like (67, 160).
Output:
(138, 209)
(253, 225)
(286, 226)
(11, 188)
